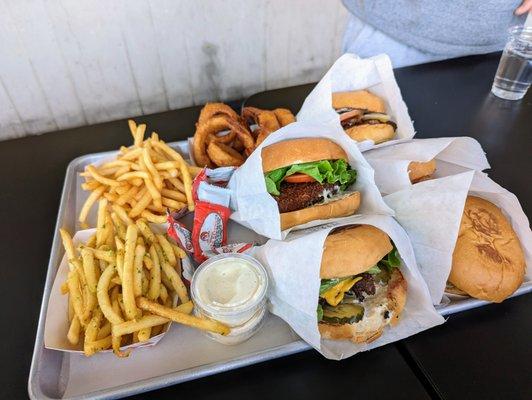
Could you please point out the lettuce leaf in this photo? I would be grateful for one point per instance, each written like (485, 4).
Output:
(325, 171)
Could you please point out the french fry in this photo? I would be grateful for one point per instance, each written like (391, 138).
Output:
(98, 345)
(171, 203)
(148, 263)
(90, 185)
(102, 207)
(139, 134)
(73, 331)
(163, 293)
(68, 244)
(132, 326)
(177, 284)
(95, 195)
(103, 296)
(140, 206)
(90, 303)
(103, 180)
(145, 231)
(132, 127)
(182, 318)
(155, 275)
(155, 195)
(89, 269)
(167, 249)
(173, 194)
(151, 168)
(122, 214)
(75, 294)
(156, 219)
(128, 292)
(132, 154)
(179, 252)
(104, 331)
(91, 332)
(119, 226)
(140, 250)
(134, 174)
(126, 196)
(120, 262)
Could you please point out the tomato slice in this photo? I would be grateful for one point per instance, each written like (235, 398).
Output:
(299, 178)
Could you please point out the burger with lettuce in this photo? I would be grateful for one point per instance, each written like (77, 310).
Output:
(310, 179)
(362, 290)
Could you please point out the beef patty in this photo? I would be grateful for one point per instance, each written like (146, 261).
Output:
(296, 196)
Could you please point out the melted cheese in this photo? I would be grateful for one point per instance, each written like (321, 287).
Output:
(335, 295)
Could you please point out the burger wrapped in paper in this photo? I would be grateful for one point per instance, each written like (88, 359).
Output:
(309, 178)
(362, 290)
(488, 260)
(363, 116)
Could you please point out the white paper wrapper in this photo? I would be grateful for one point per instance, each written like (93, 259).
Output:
(349, 72)
(56, 323)
(431, 212)
(294, 266)
(453, 155)
(256, 209)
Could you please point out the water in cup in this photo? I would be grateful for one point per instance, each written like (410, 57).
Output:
(514, 73)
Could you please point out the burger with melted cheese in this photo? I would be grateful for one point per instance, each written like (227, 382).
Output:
(362, 290)
(363, 116)
(488, 260)
(309, 179)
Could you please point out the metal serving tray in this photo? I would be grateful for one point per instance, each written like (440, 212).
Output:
(179, 357)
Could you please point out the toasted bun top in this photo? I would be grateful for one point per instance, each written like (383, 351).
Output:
(358, 99)
(353, 250)
(295, 151)
(488, 261)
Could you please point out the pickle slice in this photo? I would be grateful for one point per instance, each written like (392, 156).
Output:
(342, 313)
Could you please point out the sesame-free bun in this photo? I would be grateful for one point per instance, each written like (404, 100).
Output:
(296, 151)
(421, 171)
(488, 261)
(353, 250)
(361, 99)
(343, 206)
(377, 132)
(359, 332)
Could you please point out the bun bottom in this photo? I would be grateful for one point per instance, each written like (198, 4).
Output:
(421, 171)
(378, 133)
(396, 295)
(342, 207)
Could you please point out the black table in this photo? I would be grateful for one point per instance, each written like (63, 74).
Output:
(477, 354)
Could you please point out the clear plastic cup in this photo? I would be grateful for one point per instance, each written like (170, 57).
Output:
(244, 313)
(514, 74)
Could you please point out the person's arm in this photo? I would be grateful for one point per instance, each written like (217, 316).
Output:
(525, 7)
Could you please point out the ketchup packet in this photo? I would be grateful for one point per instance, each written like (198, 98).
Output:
(211, 215)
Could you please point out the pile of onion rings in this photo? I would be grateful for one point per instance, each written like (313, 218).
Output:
(224, 138)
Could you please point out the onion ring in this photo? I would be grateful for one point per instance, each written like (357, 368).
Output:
(212, 127)
(223, 155)
(228, 138)
(216, 109)
(265, 119)
(284, 116)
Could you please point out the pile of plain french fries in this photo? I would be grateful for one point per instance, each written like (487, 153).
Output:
(142, 182)
(122, 283)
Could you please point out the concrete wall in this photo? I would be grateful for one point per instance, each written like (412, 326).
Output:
(66, 63)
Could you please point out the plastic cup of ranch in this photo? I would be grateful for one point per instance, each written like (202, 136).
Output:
(232, 289)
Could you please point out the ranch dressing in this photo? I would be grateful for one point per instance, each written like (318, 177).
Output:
(231, 288)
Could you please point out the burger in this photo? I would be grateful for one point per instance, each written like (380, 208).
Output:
(362, 290)
(421, 171)
(488, 260)
(309, 179)
(363, 116)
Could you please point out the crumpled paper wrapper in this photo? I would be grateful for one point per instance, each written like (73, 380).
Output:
(431, 212)
(350, 72)
(453, 155)
(56, 324)
(256, 209)
(294, 268)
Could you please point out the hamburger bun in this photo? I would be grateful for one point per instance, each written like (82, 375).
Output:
(377, 132)
(296, 151)
(421, 171)
(342, 207)
(488, 261)
(353, 251)
(359, 332)
(361, 99)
